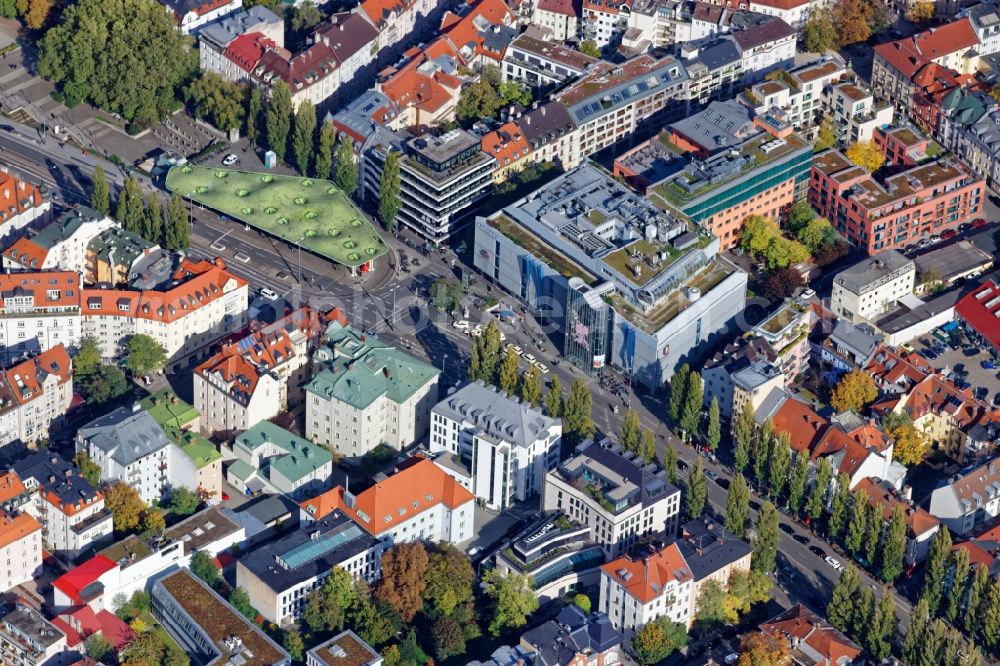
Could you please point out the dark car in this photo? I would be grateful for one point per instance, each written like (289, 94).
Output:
(963, 384)
(7, 128)
(755, 505)
(817, 551)
(981, 392)
(948, 233)
(925, 342)
(786, 528)
(801, 538)
(965, 226)
(996, 399)
(682, 466)
(723, 482)
(928, 354)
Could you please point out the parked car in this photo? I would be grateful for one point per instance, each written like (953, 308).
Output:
(801, 538)
(230, 160)
(948, 233)
(928, 354)
(817, 551)
(461, 324)
(268, 293)
(907, 347)
(988, 365)
(834, 562)
(978, 222)
(682, 466)
(723, 482)
(711, 475)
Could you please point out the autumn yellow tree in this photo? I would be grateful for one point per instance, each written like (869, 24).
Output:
(37, 13)
(760, 649)
(125, 505)
(910, 444)
(855, 390)
(866, 155)
(852, 19)
(921, 12)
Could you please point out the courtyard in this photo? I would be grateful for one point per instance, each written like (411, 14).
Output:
(309, 212)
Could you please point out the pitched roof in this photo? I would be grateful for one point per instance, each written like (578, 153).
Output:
(803, 425)
(909, 54)
(937, 395)
(127, 435)
(890, 367)
(800, 625)
(918, 521)
(979, 484)
(981, 310)
(10, 486)
(645, 578)
(564, 7)
(380, 11)
(506, 144)
(48, 289)
(15, 528)
(27, 378)
(73, 582)
(80, 622)
(16, 196)
(495, 413)
(301, 457)
(761, 33)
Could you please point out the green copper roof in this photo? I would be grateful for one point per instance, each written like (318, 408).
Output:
(242, 470)
(169, 410)
(201, 451)
(301, 456)
(363, 369)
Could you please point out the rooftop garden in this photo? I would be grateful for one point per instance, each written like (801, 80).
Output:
(127, 549)
(311, 212)
(622, 261)
(555, 260)
(168, 409)
(779, 320)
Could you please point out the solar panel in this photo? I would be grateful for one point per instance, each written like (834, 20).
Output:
(310, 550)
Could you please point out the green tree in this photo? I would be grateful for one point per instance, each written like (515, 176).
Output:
(278, 120)
(975, 600)
(691, 413)
(347, 171)
(714, 431)
(88, 359)
(98, 648)
(876, 520)
(658, 639)
(89, 470)
(134, 71)
(100, 195)
(153, 220)
(293, 644)
(800, 214)
(531, 386)
(509, 374)
(858, 525)
(762, 452)
(255, 108)
(631, 429)
(913, 640)
(670, 465)
(781, 459)
(714, 608)
(678, 388)
(696, 491)
(816, 234)
(818, 33)
(130, 209)
(449, 640)
(738, 506)
(743, 435)
(852, 20)
(991, 616)
(511, 597)
(842, 608)
(178, 227)
(589, 47)
(327, 606)
(145, 355)
(576, 419)
(217, 100)
(817, 499)
(389, 184)
(582, 601)
(959, 583)
(766, 541)
(758, 234)
(647, 447)
(894, 547)
(204, 568)
(553, 399)
(107, 384)
(797, 481)
(323, 162)
(240, 600)
(183, 502)
(839, 506)
(303, 137)
(936, 571)
(305, 17)
(372, 622)
(145, 647)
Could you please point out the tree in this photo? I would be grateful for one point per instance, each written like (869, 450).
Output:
(691, 414)
(323, 161)
(204, 568)
(130, 208)
(152, 229)
(911, 445)
(217, 100)
(589, 47)
(152, 520)
(816, 234)
(758, 232)
(738, 506)
(145, 355)
(864, 611)
(797, 481)
(125, 505)
(402, 584)
(582, 601)
(658, 639)
(97, 647)
(305, 17)
(994, 91)
(921, 12)
(134, 72)
(841, 609)
(100, 195)
(858, 525)
(817, 500)
(448, 638)
(89, 470)
(781, 283)
(144, 648)
(278, 120)
(531, 387)
(974, 600)
(240, 600)
(936, 571)
(762, 451)
(876, 519)
(449, 580)
(866, 155)
(839, 505)
(782, 253)
(825, 136)
(894, 547)
(883, 626)
(88, 359)
(713, 607)
(508, 377)
(915, 631)
(478, 100)
(347, 171)
(631, 428)
(553, 399)
(389, 184)
(760, 649)
(37, 13)
(800, 214)
(851, 20)
(959, 583)
(255, 107)
(647, 447)
(696, 491)
(107, 384)
(713, 433)
(512, 600)
(577, 424)
(293, 644)
(743, 433)
(303, 136)
(678, 385)
(781, 459)
(991, 617)
(855, 390)
(177, 230)
(372, 622)
(670, 465)
(183, 502)
(766, 541)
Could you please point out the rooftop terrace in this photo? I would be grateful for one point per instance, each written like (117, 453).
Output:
(555, 259)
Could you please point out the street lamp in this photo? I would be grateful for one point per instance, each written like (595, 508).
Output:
(298, 244)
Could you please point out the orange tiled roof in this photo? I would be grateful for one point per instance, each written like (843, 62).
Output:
(871, 437)
(646, 578)
(889, 367)
(27, 377)
(25, 252)
(506, 144)
(380, 11)
(418, 486)
(909, 54)
(469, 30)
(16, 196)
(801, 423)
(411, 87)
(13, 529)
(800, 623)
(49, 289)
(10, 486)
(918, 521)
(942, 397)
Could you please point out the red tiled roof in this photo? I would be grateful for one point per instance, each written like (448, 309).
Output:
(10, 486)
(506, 144)
(27, 377)
(80, 622)
(411, 87)
(645, 578)
(800, 623)
(564, 7)
(909, 54)
(246, 50)
(50, 289)
(15, 528)
(16, 196)
(25, 252)
(469, 30)
(981, 310)
(918, 521)
(942, 397)
(379, 11)
(801, 423)
(74, 581)
(889, 366)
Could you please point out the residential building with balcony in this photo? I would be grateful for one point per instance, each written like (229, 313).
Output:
(902, 210)
(61, 245)
(279, 576)
(537, 62)
(270, 458)
(618, 496)
(20, 547)
(27, 638)
(509, 149)
(715, 70)
(752, 384)
(604, 21)
(848, 347)
(719, 371)
(766, 43)
(40, 310)
(21, 203)
(213, 39)
(622, 281)
(787, 332)
(866, 290)
(494, 445)
(42, 390)
(112, 255)
(968, 501)
(561, 17)
(550, 133)
(180, 423)
(855, 112)
(793, 12)
(365, 392)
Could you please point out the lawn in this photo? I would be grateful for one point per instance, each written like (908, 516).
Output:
(309, 211)
(169, 410)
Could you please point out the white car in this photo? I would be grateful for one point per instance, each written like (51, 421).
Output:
(732, 658)
(514, 348)
(529, 358)
(230, 160)
(835, 563)
(542, 368)
(461, 324)
(269, 294)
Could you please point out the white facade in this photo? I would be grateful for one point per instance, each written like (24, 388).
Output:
(970, 501)
(40, 311)
(20, 549)
(868, 289)
(759, 59)
(28, 639)
(64, 242)
(563, 26)
(794, 15)
(71, 521)
(630, 604)
(190, 18)
(147, 474)
(226, 408)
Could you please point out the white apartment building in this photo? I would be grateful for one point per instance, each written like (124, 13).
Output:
(793, 12)
(213, 39)
(39, 311)
(867, 289)
(193, 14)
(60, 245)
(71, 511)
(20, 548)
(604, 21)
(617, 495)
(21, 203)
(985, 20)
(203, 303)
(765, 46)
(796, 96)
(855, 112)
(562, 17)
(40, 390)
(129, 445)
(270, 458)
(28, 639)
(367, 393)
(503, 448)
(537, 62)
(970, 501)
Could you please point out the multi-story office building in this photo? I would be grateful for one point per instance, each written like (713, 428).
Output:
(40, 311)
(866, 290)
(538, 62)
(670, 293)
(504, 447)
(906, 208)
(367, 393)
(618, 496)
(61, 244)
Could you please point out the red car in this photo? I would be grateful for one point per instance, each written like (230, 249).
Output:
(225, 496)
(978, 222)
(948, 233)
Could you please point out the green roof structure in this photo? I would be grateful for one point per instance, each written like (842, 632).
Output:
(299, 457)
(363, 369)
(309, 212)
(168, 409)
(242, 470)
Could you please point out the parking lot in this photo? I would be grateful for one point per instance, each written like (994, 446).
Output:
(965, 361)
